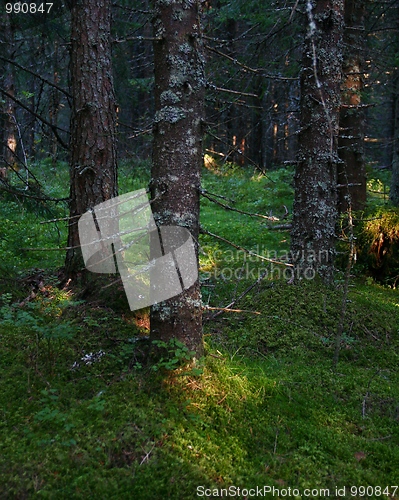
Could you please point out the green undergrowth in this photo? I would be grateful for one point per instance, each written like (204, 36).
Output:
(83, 414)
(261, 239)
(86, 410)
(248, 191)
(376, 232)
(27, 237)
(33, 226)
(377, 245)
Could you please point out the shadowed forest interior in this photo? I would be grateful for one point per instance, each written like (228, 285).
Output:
(267, 133)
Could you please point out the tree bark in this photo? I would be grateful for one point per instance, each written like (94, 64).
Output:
(351, 171)
(313, 229)
(55, 100)
(177, 152)
(9, 139)
(93, 119)
(394, 193)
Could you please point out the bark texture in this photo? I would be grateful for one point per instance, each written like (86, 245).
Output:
(394, 194)
(9, 139)
(177, 152)
(313, 231)
(351, 171)
(93, 120)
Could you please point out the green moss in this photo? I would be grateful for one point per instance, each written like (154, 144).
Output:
(267, 409)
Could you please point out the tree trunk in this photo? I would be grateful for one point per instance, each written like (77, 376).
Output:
(55, 100)
(313, 229)
(177, 152)
(235, 120)
(256, 139)
(93, 119)
(351, 171)
(9, 124)
(394, 194)
(29, 119)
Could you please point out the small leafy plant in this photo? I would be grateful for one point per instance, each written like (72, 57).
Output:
(43, 319)
(173, 354)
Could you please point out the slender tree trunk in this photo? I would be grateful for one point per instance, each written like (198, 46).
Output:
(394, 194)
(29, 119)
(351, 171)
(313, 231)
(93, 156)
(9, 124)
(54, 106)
(255, 142)
(235, 120)
(177, 152)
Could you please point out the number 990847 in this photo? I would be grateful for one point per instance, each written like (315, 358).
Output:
(28, 8)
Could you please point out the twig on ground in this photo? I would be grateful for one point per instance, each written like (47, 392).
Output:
(147, 456)
(241, 296)
(227, 309)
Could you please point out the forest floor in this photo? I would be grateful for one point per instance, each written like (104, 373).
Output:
(84, 413)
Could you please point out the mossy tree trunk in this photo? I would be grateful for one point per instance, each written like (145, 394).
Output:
(351, 171)
(177, 151)
(93, 119)
(313, 231)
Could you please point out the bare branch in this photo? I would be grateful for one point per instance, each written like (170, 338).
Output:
(256, 71)
(249, 252)
(4, 187)
(51, 84)
(245, 292)
(43, 120)
(235, 92)
(227, 309)
(227, 207)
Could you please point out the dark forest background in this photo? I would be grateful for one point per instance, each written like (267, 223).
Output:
(253, 54)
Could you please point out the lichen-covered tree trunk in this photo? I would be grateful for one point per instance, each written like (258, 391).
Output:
(394, 194)
(351, 171)
(93, 119)
(313, 231)
(177, 151)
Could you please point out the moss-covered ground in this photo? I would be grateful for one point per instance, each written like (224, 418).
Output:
(84, 414)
